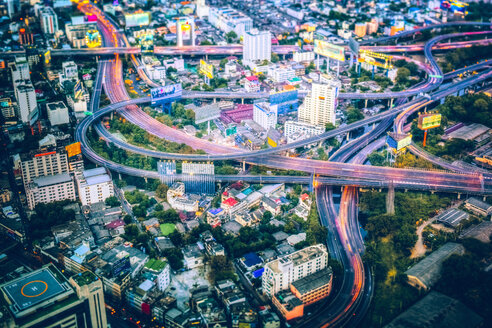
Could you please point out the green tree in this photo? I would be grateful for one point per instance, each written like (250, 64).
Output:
(112, 201)
(221, 268)
(275, 58)
(329, 126)
(161, 191)
(402, 75)
(353, 115)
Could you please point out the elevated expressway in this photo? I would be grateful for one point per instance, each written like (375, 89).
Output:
(348, 242)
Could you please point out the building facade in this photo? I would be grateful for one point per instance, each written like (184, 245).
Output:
(94, 186)
(257, 46)
(49, 21)
(43, 163)
(319, 106)
(265, 115)
(50, 189)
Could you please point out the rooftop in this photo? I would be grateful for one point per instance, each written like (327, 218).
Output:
(34, 289)
(428, 269)
(481, 231)
(85, 278)
(313, 281)
(155, 265)
(452, 217)
(437, 310)
(478, 203)
(52, 180)
(469, 132)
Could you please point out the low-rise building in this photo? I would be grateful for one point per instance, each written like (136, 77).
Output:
(57, 113)
(478, 207)
(425, 273)
(313, 288)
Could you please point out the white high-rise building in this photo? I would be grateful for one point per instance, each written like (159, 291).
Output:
(50, 189)
(57, 113)
(257, 45)
(26, 100)
(94, 186)
(265, 115)
(70, 71)
(202, 9)
(43, 163)
(319, 106)
(49, 21)
(90, 287)
(280, 273)
(20, 71)
(228, 19)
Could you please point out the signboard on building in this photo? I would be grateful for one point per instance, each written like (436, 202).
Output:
(354, 46)
(375, 59)
(206, 113)
(398, 141)
(329, 50)
(206, 69)
(166, 93)
(139, 18)
(73, 149)
(429, 121)
(93, 38)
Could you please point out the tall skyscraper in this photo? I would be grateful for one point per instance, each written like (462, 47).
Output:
(319, 106)
(44, 298)
(43, 163)
(257, 45)
(90, 288)
(26, 100)
(49, 21)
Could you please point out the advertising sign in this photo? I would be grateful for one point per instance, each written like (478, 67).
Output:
(354, 46)
(206, 69)
(47, 57)
(93, 38)
(166, 93)
(73, 149)
(375, 59)
(429, 121)
(398, 141)
(139, 18)
(329, 50)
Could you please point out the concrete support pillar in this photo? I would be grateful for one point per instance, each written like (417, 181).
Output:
(119, 176)
(338, 68)
(112, 115)
(208, 128)
(348, 136)
(484, 199)
(242, 101)
(244, 166)
(459, 195)
(391, 105)
(206, 57)
(390, 200)
(145, 178)
(215, 100)
(365, 103)
(351, 60)
(432, 192)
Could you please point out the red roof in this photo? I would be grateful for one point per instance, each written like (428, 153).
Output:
(252, 78)
(115, 224)
(230, 202)
(225, 193)
(304, 196)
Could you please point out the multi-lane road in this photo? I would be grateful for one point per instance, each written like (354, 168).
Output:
(345, 242)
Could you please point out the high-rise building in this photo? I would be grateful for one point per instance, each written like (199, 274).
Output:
(26, 100)
(257, 45)
(70, 71)
(280, 273)
(44, 298)
(360, 29)
(320, 104)
(185, 31)
(25, 36)
(202, 9)
(43, 163)
(50, 189)
(20, 70)
(90, 288)
(49, 21)
(57, 113)
(265, 115)
(94, 186)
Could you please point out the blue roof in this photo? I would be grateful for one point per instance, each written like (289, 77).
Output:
(215, 211)
(82, 249)
(251, 259)
(258, 273)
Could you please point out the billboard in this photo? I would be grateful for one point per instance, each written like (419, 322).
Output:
(139, 18)
(47, 57)
(375, 59)
(206, 69)
(429, 121)
(454, 6)
(93, 38)
(166, 93)
(354, 46)
(398, 141)
(73, 149)
(326, 49)
(206, 113)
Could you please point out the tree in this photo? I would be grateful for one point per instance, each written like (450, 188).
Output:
(329, 126)
(402, 75)
(275, 58)
(353, 115)
(206, 43)
(161, 191)
(223, 62)
(267, 215)
(112, 201)
(376, 159)
(128, 219)
(221, 268)
(174, 257)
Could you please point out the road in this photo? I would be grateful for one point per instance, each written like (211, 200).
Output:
(349, 243)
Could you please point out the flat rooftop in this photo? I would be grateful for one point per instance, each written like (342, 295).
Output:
(52, 179)
(32, 289)
(469, 132)
(314, 281)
